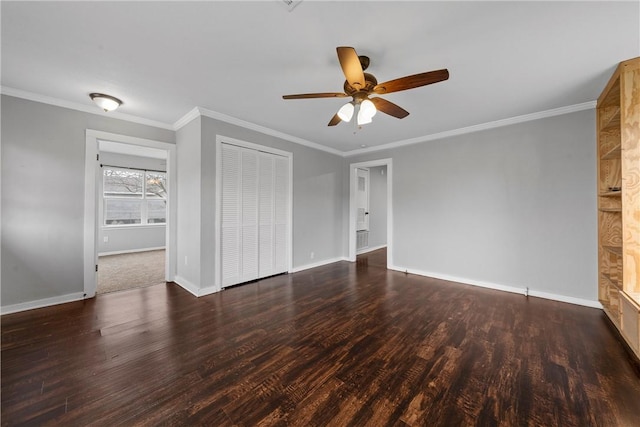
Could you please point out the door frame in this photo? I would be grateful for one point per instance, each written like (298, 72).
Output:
(221, 139)
(353, 182)
(368, 195)
(91, 176)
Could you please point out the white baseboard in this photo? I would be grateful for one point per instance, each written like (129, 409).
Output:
(366, 250)
(503, 288)
(131, 251)
(193, 289)
(564, 298)
(186, 285)
(208, 291)
(46, 302)
(318, 264)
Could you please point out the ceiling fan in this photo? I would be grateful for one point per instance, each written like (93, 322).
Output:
(360, 85)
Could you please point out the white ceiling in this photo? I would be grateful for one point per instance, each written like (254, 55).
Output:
(238, 58)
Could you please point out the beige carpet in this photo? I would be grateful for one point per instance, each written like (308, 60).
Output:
(128, 271)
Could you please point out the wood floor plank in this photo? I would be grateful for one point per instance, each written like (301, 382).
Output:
(342, 344)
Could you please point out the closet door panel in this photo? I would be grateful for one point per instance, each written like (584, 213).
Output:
(281, 213)
(249, 216)
(266, 190)
(230, 214)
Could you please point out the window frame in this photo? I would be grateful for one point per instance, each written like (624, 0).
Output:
(143, 199)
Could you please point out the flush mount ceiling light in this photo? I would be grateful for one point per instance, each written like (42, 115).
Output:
(106, 102)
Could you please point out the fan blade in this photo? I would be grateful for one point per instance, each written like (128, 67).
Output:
(351, 67)
(410, 82)
(334, 120)
(316, 95)
(389, 108)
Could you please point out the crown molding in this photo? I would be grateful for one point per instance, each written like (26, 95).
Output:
(186, 119)
(91, 109)
(267, 131)
(476, 128)
(198, 112)
(194, 113)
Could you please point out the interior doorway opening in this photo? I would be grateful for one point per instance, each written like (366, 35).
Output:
(130, 212)
(360, 213)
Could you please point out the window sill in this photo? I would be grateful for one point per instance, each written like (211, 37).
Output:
(132, 226)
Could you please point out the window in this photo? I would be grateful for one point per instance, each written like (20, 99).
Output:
(134, 197)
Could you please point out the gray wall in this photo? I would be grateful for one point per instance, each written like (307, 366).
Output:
(189, 201)
(43, 149)
(377, 206)
(512, 206)
(126, 239)
(317, 199)
(317, 196)
(131, 239)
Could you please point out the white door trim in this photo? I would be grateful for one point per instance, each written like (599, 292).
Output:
(91, 168)
(353, 182)
(220, 139)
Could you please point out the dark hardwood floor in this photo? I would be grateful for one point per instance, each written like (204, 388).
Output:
(344, 344)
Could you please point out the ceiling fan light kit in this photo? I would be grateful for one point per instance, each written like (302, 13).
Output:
(364, 120)
(367, 111)
(360, 85)
(346, 112)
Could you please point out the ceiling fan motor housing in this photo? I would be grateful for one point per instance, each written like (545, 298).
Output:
(364, 61)
(369, 83)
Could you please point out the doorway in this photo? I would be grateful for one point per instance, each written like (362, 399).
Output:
(362, 209)
(355, 204)
(132, 205)
(143, 204)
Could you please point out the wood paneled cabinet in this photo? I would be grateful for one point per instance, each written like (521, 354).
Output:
(618, 127)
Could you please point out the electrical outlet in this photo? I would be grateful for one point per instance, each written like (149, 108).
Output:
(105, 239)
(312, 256)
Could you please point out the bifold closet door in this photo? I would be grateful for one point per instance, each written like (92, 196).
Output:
(254, 214)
